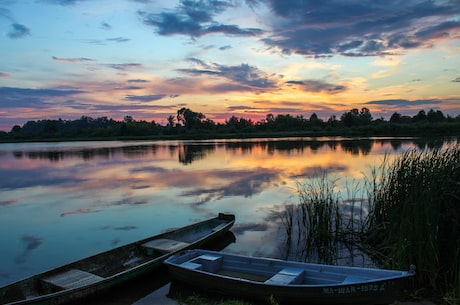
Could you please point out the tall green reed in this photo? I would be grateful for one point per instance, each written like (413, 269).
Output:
(415, 217)
(407, 212)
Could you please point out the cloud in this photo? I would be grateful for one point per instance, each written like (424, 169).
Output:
(227, 47)
(358, 28)
(18, 31)
(138, 81)
(403, 102)
(106, 26)
(33, 98)
(195, 18)
(243, 77)
(318, 86)
(124, 66)
(6, 13)
(63, 2)
(145, 98)
(2, 74)
(8, 202)
(73, 60)
(118, 39)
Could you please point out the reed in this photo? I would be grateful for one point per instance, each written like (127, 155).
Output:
(407, 212)
(415, 217)
(314, 226)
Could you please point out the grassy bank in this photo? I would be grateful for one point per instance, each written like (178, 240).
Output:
(408, 212)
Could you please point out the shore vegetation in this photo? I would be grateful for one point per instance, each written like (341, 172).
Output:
(408, 212)
(188, 124)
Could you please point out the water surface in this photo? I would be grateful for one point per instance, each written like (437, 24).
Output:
(63, 201)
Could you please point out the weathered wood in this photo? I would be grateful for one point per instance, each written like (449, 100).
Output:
(73, 278)
(165, 245)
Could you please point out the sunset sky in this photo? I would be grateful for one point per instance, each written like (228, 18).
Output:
(149, 58)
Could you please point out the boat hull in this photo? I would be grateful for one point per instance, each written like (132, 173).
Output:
(240, 285)
(28, 291)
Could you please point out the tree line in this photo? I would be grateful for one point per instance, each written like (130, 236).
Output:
(187, 123)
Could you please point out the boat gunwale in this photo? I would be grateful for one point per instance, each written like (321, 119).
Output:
(229, 220)
(400, 276)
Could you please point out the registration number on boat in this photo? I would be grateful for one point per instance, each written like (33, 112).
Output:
(355, 289)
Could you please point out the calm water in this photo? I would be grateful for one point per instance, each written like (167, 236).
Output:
(63, 201)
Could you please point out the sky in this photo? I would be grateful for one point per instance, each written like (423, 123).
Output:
(244, 58)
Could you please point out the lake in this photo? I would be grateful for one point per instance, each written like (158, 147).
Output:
(63, 201)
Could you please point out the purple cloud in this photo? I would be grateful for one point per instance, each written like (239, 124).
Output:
(145, 98)
(244, 76)
(318, 86)
(358, 28)
(73, 60)
(125, 66)
(403, 102)
(35, 98)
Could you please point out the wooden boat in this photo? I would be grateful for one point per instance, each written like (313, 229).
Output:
(100, 272)
(287, 282)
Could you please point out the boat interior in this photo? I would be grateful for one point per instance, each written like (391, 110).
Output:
(101, 266)
(274, 272)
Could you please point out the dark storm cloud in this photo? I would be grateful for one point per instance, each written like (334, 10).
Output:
(145, 98)
(36, 98)
(358, 28)
(195, 18)
(318, 86)
(402, 102)
(18, 31)
(243, 76)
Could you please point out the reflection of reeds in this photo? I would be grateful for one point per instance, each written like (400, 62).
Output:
(411, 216)
(314, 226)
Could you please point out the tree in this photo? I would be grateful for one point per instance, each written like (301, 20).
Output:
(420, 117)
(365, 117)
(16, 128)
(350, 118)
(395, 118)
(190, 119)
(315, 120)
(435, 116)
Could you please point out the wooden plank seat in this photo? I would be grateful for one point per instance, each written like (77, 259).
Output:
(286, 276)
(164, 245)
(73, 278)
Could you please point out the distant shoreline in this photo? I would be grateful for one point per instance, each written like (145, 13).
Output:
(431, 130)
